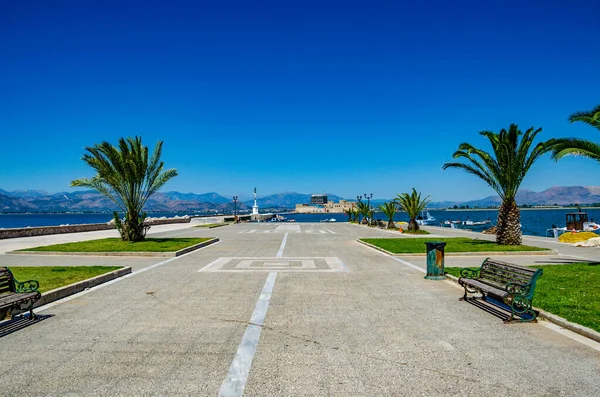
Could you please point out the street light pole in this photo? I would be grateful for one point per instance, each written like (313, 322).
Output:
(369, 197)
(359, 199)
(235, 199)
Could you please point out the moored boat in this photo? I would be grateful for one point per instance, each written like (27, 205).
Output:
(425, 219)
(575, 222)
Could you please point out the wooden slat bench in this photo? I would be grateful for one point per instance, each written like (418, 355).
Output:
(514, 285)
(16, 297)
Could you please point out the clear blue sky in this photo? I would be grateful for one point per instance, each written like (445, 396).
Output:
(343, 97)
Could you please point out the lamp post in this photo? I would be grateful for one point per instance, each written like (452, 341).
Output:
(359, 199)
(235, 199)
(369, 197)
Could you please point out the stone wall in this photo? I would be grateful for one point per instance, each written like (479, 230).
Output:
(46, 230)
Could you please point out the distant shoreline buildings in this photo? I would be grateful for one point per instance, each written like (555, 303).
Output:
(320, 204)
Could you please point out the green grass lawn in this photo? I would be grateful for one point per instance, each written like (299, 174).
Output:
(455, 244)
(51, 277)
(569, 291)
(117, 245)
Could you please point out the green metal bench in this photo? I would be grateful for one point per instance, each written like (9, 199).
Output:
(17, 297)
(514, 285)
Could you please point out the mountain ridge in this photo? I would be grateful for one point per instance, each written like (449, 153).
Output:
(172, 201)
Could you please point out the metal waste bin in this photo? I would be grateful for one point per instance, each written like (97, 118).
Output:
(435, 260)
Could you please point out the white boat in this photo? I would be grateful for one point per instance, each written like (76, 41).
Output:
(328, 220)
(425, 219)
(576, 222)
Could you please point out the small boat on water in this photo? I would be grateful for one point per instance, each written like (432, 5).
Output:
(468, 224)
(425, 219)
(328, 220)
(575, 222)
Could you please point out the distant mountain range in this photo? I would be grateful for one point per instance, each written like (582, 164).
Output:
(557, 195)
(90, 201)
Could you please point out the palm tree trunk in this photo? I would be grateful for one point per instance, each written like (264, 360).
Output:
(509, 224)
(391, 224)
(413, 225)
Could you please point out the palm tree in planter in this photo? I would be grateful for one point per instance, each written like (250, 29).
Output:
(503, 170)
(579, 147)
(126, 175)
(412, 204)
(389, 209)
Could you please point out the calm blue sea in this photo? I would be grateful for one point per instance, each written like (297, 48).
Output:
(535, 222)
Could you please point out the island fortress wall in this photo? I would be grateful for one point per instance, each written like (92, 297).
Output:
(90, 227)
(329, 207)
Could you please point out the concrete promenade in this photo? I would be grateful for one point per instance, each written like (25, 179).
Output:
(286, 310)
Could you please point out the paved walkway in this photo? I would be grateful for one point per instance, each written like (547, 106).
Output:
(285, 309)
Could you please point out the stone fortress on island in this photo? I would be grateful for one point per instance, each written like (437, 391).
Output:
(320, 204)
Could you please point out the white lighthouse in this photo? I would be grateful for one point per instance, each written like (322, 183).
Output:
(255, 206)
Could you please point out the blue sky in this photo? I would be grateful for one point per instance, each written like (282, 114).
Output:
(343, 97)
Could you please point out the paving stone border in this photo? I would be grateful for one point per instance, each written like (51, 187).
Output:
(62, 292)
(491, 253)
(171, 254)
(553, 318)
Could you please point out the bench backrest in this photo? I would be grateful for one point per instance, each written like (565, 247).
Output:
(7, 283)
(502, 273)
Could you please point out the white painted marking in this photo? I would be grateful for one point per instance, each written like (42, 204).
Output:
(289, 228)
(252, 231)
(116, 280)
(280, 252)
(322, 232)
(235, 382)
(330, 231)
(267, 231)
(246, 264)
(220, 262)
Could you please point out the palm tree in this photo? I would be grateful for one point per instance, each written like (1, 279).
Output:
(365, 211)
(389, 209)
(128, 177)
(349, 212)
(579, 147)
(503, 170)
(412, 204)
(355, 214)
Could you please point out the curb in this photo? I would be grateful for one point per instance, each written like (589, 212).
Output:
(493, 253)
(225, 224)
(59, 293)
(553, 318)
(143, 254)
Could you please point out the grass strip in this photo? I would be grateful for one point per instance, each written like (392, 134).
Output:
(454, 244)
(118, 245)
(51, 277)
(569, 291)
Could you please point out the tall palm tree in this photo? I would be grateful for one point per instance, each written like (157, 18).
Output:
(389, 209)
(412, 204)
(128, 177)
(503, 170)
(579, 147)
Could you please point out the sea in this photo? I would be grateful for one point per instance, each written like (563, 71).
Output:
(534, 221)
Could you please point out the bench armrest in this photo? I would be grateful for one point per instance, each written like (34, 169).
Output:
(469, 273)
(27, 286)
(518, 289)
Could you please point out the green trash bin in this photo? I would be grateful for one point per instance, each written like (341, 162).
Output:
(435, 260)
